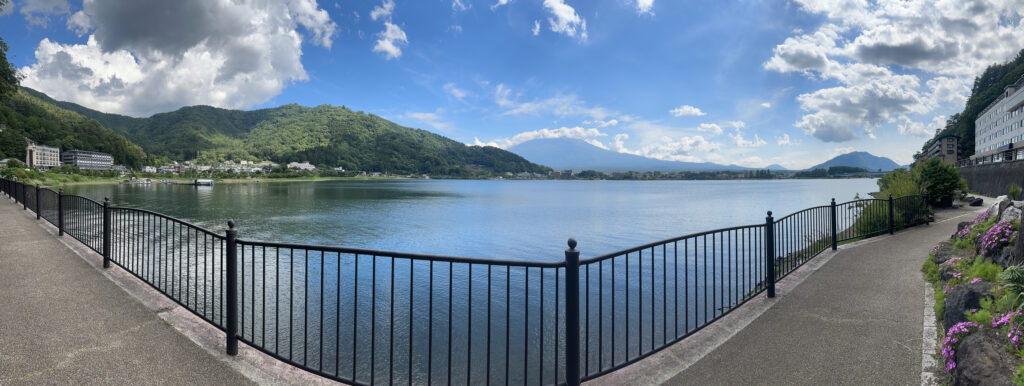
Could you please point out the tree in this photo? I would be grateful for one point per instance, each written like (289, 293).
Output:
(9, 77)
(939, 179)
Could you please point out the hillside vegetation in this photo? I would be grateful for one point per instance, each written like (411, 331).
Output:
(986, 90)
(323, 135)
(29, 117)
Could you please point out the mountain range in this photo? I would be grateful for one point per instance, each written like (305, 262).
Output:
(859, 159)
(578, 155)
(322, 135)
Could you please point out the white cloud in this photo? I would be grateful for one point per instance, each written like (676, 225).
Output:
(38, 12)
(536, 28)
(862, 44)
(766, 105)
(384, 10)
(712, 128)
(669, 149)
(499, 3)
(389, 41)
(840, 151)
(742, 142)
(459, 6)
(562, 132)
(913, 128)
(737, 124)
(432, 119)
(565, 20)
(687, 111)
(559, 105)
(784, 140)
(645, 7)
(600, 123)
(454, 91)
(596, 143)
(151, 56)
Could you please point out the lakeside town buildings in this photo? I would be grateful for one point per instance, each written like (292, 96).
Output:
(944, 147)
(88, 160)
(999, 129)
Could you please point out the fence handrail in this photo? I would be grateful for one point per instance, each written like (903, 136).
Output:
(787, 243)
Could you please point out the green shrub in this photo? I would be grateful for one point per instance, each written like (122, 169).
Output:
(1018, 375)
(939, 179)
(1014, 191)
(940, 301)
(983, 315)
(984, 270)
(930, 269)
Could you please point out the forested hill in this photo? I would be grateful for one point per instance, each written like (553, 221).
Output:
(27, 116)
(323, 135)
(986, 90)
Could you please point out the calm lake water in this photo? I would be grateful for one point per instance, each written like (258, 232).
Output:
(377, 319)
(527, 220)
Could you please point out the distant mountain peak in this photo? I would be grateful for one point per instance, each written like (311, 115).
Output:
(576, 154)
(859, 159)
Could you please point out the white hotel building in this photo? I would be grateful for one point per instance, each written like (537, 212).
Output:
(999, 129)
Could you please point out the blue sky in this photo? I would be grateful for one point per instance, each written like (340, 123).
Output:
(746, 82)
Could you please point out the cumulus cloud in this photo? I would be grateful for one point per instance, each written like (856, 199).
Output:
(687, 111)
(390, 40)
(914, 128)
(645, 7)
(150, 56)
(384, 10)
(565, 20)
(562, 132)
(499, 3)
(739, 141)
(712, 128)
(459, 6)
(536, 28)
(784, 140)
(840, 151)
(668, 148)
(766, 105)
(861, 44)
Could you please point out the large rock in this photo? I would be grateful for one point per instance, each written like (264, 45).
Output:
(981, 359)
(1010, 213)
(962, 298)
(998, 205)
(944, 252)
(960, 226)
(977, 202)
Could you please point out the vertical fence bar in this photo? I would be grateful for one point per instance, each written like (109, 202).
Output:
(572, 315)
(835, 238)
(60, 212)
(232, 290)
(769, 239)
(106, 232)
(24, 197)
(892, 217)
(38, 215)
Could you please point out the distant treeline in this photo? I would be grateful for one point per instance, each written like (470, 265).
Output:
(832, 172)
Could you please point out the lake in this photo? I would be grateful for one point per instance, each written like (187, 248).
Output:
(373, 318)
(522, 220)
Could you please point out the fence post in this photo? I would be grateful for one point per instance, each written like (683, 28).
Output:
(572, 314)
(106, 232)
(232, 290)
(60, 212)
(835, 235)
(37, 202)
(892, 217)
(24, 197)
(769, 248)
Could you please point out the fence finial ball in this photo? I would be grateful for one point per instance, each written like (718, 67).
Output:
(106, 198)
(572, 243)
(769, 213)
(231, 224)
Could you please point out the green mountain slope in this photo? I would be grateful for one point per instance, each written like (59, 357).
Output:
(322, 135)
(27, 116)
(987, 88)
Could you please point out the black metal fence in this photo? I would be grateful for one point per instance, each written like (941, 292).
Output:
(370, 317)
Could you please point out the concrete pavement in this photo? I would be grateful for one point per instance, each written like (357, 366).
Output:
(856, 320)
(62, 322)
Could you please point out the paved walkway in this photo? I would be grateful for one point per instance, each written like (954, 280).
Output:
(63, 322)
(856, 320)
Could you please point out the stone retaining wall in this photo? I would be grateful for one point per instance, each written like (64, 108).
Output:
(993, 180)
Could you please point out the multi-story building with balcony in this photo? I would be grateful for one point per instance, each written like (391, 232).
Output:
(944, 148)
(999, 129)
(89, 160)
(41, 157)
